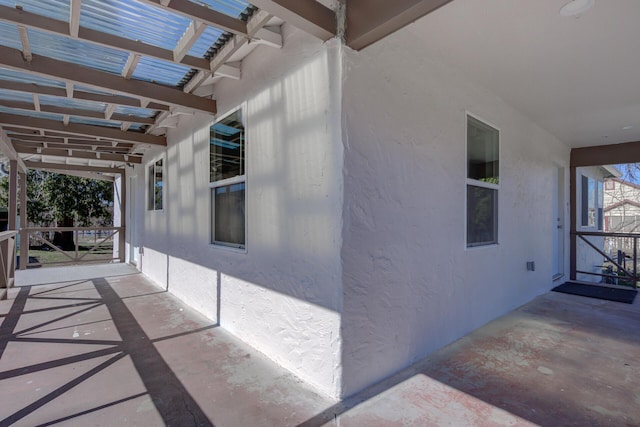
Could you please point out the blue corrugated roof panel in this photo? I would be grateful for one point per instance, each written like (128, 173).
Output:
(134, 20)
(95, 122)
(36, 114)
(9, 95)
(77, 51)
(229, 7)
(17, 76)
(56, 9)
(204, 42)
(161, 72)
(73, 103)
(9, 36)
(134, 111)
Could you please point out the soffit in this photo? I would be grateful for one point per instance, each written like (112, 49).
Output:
(575, 77)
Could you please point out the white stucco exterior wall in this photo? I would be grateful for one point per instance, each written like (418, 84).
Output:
(284, 294)
(410, 284)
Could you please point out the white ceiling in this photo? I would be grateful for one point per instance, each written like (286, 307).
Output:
(579, 78)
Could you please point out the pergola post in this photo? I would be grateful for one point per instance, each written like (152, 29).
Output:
(119, 215)
(13, 195)
(24, 234)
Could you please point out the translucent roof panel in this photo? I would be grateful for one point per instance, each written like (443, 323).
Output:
(73, 103)
(77, 51)
(9, 95)
(133, 111)
(205, 41)
(18, 76)
(154, 70)
(56, 9)
(95, 122)
(36, 114)
(229, 7)
(136, 127)
(134, 20)
(9, 36)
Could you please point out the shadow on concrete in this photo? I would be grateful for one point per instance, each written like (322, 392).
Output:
(172, 401)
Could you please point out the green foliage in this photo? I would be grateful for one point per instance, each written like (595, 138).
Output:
(63, 199)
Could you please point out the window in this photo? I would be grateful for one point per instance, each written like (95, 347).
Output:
(227, 178)
(592, 200)
(155, 186)
(483, 183)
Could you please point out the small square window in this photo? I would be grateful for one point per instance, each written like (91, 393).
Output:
(228, 215)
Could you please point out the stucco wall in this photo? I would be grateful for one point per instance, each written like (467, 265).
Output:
(283, 296)
(410, 284)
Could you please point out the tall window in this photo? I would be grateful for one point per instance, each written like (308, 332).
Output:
(483, 183)
(592, 192)
(155, 186)
(227, 178)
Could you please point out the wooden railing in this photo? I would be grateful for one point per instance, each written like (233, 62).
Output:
(616, 257)
(84, 251)
(7, 261)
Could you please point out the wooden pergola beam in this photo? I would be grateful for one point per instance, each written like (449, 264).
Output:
(310, 16)
(202, 13)
(371, 20)
(77, 154)
(84, 96)
(60, 70)
(69, 140)
(75, 112)
(611, 154)
(6, 146)
(66, 167)
(80, 129)
(32, 20)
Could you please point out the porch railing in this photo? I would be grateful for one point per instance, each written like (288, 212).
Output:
(7, 261)
(90, 245)
(619, 256)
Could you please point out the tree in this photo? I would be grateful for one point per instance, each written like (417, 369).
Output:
(66, 200)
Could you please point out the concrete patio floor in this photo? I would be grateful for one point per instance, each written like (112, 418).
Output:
(103, 346)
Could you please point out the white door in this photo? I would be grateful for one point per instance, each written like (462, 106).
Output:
(558, 222)
(133, 234)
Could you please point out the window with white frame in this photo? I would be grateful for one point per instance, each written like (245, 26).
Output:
(155, 185)
(227, 178)
(483, 183)
(592, 192)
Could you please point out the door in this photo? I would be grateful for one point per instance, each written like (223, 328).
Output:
(558, 222)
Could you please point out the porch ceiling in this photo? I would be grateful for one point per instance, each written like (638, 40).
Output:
(576, 77)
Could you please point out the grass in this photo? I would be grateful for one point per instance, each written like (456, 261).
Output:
(47, 255)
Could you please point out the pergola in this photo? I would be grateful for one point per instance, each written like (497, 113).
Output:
(87, 86)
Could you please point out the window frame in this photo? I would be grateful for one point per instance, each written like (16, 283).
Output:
(481, 184)
(238, 179)
(598, 205)
(150, 176)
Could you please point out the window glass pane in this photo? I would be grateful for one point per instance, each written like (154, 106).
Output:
(150, 191)
(482, 216)
(600, 203)
(158, 185)
(228, 208)
(226, 148)
(591, 202)
(482, 152)
(584, 193)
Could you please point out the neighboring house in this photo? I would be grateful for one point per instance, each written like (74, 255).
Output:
(591, 196)
(621, 206)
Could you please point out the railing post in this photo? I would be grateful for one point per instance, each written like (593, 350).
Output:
(77, 238)
(24, 235)
(635, 261)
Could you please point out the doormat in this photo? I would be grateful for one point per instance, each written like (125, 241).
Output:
(600, 292)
